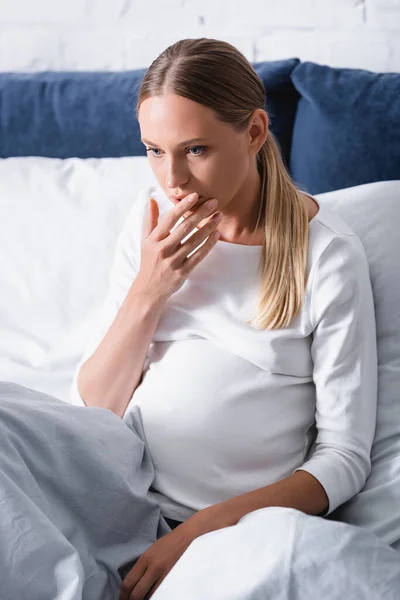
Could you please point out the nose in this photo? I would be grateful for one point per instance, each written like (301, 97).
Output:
(177, 175)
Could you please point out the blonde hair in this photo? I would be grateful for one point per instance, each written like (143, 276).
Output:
(215, 74)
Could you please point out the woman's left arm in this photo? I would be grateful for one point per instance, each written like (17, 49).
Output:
(344, 353)
(345, 374)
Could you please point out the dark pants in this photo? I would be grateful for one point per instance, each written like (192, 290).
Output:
(173, 523)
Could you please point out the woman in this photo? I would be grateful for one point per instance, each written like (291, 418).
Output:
(249, 345)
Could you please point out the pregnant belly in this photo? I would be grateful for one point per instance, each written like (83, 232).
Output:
(207, 412)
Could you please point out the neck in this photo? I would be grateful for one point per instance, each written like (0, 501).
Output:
(240, 216)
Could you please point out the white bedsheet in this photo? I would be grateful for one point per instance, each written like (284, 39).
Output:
(283, 554)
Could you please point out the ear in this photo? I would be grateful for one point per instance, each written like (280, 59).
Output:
(258, 129)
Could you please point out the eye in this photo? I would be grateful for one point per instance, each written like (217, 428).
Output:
(152, 150)
(202, 148)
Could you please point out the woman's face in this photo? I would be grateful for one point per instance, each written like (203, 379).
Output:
(215, 166)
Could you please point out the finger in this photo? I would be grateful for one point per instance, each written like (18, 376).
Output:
(199, 254)
(142, 590)
(197, 238)
(172, 216)
(131, 580)
(187, 226)
(152, 215)
(153, 589)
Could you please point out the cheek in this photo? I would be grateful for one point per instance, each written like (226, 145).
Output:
(232, 171)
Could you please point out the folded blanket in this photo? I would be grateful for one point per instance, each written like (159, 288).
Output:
(75, 515)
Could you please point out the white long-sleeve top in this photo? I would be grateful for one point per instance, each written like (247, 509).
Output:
(228, 409)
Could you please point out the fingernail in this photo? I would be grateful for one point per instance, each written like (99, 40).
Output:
(192, 198)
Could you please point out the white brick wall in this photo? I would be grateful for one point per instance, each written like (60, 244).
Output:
(126, 34)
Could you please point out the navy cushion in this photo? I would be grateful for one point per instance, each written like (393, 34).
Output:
(347, 127)
(281, 101)
(61, 114)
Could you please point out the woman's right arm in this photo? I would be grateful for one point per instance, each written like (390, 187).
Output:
(111, 375)
(140, 283)
(110, 367)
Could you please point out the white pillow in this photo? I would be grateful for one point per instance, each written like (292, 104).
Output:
(60, 222)
(373, 212)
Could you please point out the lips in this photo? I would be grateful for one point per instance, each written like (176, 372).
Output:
(177, 199)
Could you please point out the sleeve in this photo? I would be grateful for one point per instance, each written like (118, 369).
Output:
(124, 269)
(345, 370)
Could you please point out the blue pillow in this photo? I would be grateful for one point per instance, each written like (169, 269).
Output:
(281, 100)
(347, 127)
(61, 114)
(92, 114)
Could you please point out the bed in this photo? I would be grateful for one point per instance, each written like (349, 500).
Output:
(71, 166)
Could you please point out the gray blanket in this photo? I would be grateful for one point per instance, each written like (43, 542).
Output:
(75, 515)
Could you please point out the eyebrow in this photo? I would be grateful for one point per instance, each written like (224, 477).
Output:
(186, 142)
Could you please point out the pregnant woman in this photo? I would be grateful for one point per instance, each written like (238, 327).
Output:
(239, 319)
